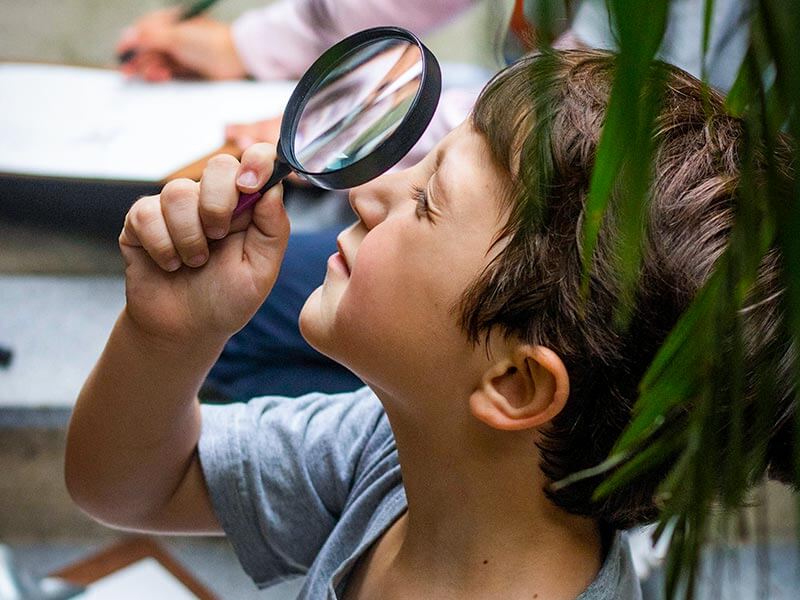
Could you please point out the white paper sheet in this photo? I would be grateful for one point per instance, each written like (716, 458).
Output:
(93, 123)
(143, 579)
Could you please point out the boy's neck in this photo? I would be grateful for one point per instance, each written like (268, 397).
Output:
(477, 514)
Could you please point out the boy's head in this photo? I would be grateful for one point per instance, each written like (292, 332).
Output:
(532, 291)
(481, 241)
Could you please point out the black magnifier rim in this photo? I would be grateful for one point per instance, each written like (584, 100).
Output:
(391, 150)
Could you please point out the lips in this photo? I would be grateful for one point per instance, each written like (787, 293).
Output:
(343, 256)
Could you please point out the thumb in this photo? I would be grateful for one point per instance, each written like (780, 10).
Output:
(266, 237)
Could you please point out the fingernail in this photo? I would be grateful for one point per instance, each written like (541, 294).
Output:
(216, 233)
(196, 261)
(174, 264)
(247, 179)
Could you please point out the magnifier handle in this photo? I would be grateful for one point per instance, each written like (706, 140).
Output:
(279, 171)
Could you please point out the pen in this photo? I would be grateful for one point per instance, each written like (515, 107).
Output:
(191, 11)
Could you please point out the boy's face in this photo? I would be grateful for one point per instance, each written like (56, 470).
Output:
(387, 306)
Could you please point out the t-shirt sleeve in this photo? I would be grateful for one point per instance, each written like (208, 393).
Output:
(279, 472)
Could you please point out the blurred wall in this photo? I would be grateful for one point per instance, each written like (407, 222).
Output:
(83, 32)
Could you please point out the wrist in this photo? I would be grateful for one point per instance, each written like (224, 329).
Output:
(168, 345)
(234, 66)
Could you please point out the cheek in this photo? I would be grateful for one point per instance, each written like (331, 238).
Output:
(405, 297)
(375, 286)
(346, 318)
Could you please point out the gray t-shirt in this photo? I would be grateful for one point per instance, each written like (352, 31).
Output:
(304, 486)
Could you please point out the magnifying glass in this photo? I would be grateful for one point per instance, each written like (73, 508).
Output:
(357, 111)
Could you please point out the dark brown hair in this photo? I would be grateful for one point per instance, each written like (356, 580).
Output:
(546, 141)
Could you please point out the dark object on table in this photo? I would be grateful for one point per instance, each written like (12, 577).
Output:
(5, 357)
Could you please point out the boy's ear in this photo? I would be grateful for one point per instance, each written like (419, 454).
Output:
(522, 391)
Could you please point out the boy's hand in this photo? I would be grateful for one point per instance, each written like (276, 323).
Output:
(192, 274)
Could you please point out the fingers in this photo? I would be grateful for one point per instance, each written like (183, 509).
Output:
(150, 66)
(268, 231)
(148, 44)
(256, 167)
(218, 195)
(145, 227)
(174, 227)
(179, 205)
(265, 241)
(168, 226)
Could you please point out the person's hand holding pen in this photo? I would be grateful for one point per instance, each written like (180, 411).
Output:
(181, 42)
(165, 44)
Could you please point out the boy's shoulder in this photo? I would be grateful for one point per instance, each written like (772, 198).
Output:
(302, 484)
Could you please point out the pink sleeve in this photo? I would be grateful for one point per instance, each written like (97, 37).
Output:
(280, 41)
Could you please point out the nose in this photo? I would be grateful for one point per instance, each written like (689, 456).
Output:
(373, 201)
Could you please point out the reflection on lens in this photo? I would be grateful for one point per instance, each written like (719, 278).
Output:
(358, 105)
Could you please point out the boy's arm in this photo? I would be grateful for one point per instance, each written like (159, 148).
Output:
(131, 457)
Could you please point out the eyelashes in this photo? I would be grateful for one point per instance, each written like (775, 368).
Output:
(420, 195)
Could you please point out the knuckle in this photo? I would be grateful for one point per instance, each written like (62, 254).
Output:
(141, 201)
(191, 241)
(214, 211)
(222, 161)
(259, 154)
(179, 191)
(162, 252)
(264, 148)
(128, 224)
(122, 238)
(145, 214)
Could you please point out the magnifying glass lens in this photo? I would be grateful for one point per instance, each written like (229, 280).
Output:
(358, 105)
(356, 112)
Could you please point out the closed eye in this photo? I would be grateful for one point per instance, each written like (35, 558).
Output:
(420, 195)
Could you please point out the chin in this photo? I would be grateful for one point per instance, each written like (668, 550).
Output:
(310, 317)
(325, 333)
(315, 328)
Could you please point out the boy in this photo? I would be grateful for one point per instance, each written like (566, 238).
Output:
(456, 297)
